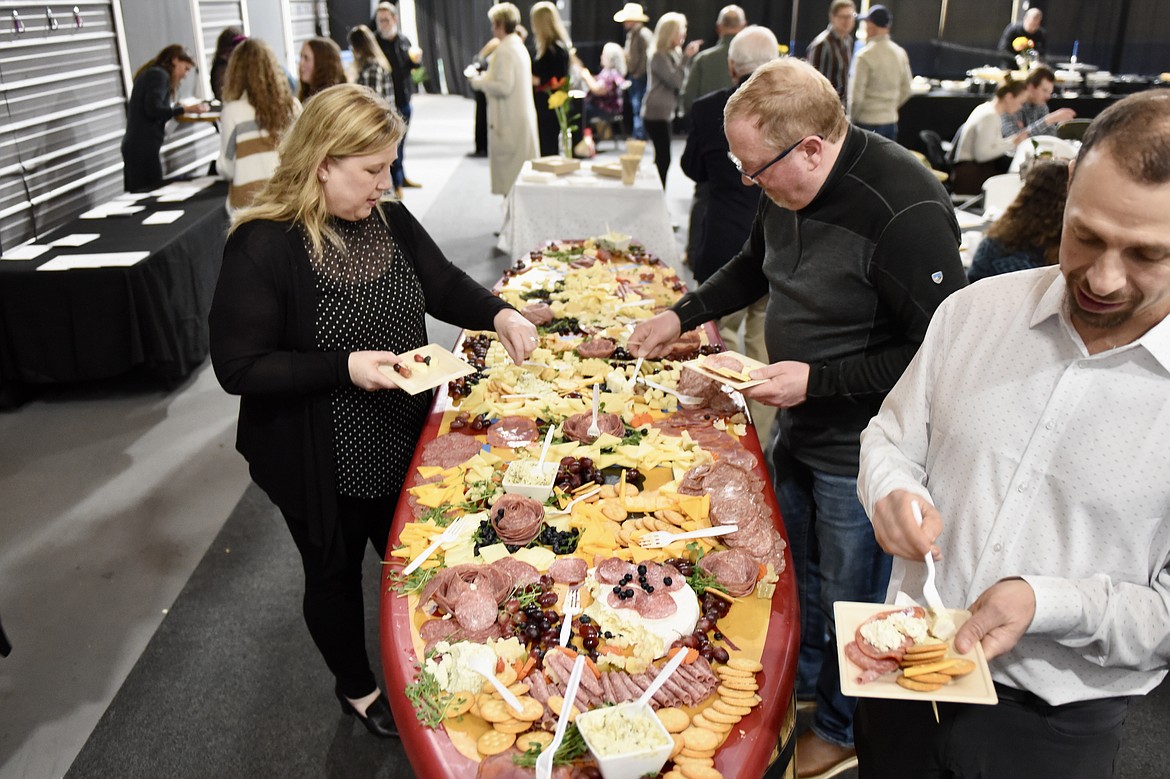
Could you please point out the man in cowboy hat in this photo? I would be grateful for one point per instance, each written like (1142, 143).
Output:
(639, 39)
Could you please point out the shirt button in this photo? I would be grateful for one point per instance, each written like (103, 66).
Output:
(998, 547)
(1050, 425)
(1022, 487)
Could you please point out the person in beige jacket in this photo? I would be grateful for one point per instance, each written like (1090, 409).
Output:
(507, 83)
(880, 82)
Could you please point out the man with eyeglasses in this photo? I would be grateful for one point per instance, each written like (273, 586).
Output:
(832, 50)
(855, 245)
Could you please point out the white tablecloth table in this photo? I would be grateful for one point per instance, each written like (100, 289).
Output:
(583, 205)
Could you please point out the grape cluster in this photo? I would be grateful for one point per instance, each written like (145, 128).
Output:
(475, 348)
(461, 387)
(537, 624)
(714, 609)
(620, 353)
(573, 472)
(464, 421)
(711, 348)
(566, 325)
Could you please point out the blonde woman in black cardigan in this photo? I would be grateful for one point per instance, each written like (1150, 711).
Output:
(322, 284)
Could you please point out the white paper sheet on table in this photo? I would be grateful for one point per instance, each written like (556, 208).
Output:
(107, 260)
(111, 209)
(75, 239)
(182, 190)
(162, 217)
(29, 251)
(967, 220)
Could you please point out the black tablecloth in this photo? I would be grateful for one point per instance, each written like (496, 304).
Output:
(91, 324)
(944, 112)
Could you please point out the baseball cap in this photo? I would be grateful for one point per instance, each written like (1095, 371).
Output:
(879, 15)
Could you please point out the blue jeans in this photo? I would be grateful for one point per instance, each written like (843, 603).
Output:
(835, 557)
(636, 93)
(397, 174)
(885, 130)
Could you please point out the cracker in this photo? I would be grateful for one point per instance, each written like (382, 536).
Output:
(726, 707)
(734, 673)
(555, 703)
(507, 676)
(698, 753)
(935, 678)
(531, 710)
(679, 744)
(932, 646)
(734, 694)
(681, 761)
(746, 685)
(493, 742)
(720, 717)
(928, 668)
(696, 771)
(675, 720)
(701, 721)
(513, 726)
(962, 667)
(745, 664)
(917, 686)
(614, 511)
(535, 738)
(700, 738)
(922, 659)
(495, 711)
(459, 704)
(518, 689)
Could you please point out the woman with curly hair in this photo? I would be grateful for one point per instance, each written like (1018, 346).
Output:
(320, 67)
(259, 108)
(1028, 233)
(152, 104)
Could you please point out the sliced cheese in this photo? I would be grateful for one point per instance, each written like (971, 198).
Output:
(493, 552)
(538, 557)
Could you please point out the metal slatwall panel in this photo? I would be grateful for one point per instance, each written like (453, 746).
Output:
(307, 17)
(214, 15)
(62, 116)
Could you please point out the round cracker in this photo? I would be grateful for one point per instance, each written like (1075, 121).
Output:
(682, 760)
(734, 694)
(696, 771)
(724, 706)
(917, 686)
(721, 717)
(518, 689)
(748, 685)
(930, 646)
(459, 704)
(506, 676)
(538, 738)
(697, 752)
(556, 703)
(700, 739)
(679, 744)
(935, 678)
(745, 664)
(701, 721)
(734, 673)
(495, 711)
(513, 726)
(962, 667)
(530, 710)
(493, 742)
(674, 719)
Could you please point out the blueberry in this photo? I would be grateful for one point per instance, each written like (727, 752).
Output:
(667, 581)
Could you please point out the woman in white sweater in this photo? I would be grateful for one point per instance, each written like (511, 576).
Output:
(981, 150)
(258, 109)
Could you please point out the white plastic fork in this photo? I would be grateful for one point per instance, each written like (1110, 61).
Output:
(569, 506)
(943, 627)
(450, 534)
(544, 763)
(487, 669)
(686, 400)
(570, 609)
(594, 431)
(660, 538)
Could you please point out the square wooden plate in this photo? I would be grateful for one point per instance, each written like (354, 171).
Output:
(720, 376)
(975, 687)
(444, 367)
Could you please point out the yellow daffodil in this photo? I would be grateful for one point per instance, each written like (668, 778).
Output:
(557, 99)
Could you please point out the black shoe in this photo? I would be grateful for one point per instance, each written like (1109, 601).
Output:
(378, 719)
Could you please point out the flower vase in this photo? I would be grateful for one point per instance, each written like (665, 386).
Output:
(566, 144)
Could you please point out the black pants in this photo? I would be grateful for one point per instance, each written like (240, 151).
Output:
(1020, 738)
(659, 132)
(333, 603)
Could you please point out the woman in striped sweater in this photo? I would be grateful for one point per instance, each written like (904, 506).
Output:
(258, 109)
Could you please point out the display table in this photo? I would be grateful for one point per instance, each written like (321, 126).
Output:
(583, 203)
(91, 323)
(751, 745)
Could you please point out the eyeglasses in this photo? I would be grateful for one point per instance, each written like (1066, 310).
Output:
(755, 176)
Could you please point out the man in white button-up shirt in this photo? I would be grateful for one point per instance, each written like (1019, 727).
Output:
(1032, 426)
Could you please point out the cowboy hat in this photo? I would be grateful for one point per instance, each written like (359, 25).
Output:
(631, 13)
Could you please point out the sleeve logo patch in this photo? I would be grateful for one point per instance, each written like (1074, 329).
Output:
(936, 277)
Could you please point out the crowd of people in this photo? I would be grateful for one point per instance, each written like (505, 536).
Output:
(837, 254)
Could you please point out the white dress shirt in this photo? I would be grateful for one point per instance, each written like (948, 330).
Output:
(1048, 464)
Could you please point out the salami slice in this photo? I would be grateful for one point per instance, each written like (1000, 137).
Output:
(568, 570)
(611, 570)
(871, 668)
(537, 313)
(657, 605)
(656, 575)
(517, 519)
(450, 449)
(725, 361)
(513, 431)
(631, 602)
(576, 427)
(476, 611)
(519, 573)
(897, 652)
(735, 569)
(596, 347)
(685, 346)
(434, 630)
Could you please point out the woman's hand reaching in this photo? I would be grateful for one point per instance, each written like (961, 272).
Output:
(364, 373)
(516, 333)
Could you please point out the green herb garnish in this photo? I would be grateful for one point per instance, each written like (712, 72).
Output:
(438, 515)
(571, 748)
(429, 701)
(407, 585)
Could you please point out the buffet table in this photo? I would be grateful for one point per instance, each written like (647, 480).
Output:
(135, 297)
(583, 203)
(759, 738)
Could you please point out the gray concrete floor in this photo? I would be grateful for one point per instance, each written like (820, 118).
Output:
(110, 496)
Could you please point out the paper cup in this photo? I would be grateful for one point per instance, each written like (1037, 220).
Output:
(635, 148)
(630, 169)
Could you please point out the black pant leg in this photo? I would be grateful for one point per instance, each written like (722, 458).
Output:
(659, 132)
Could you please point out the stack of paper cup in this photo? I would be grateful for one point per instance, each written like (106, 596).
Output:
(635, 148)
(630, 165)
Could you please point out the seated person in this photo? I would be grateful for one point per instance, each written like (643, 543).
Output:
(603, 103)
(981, 151)
(1028, 233)
(1033, 115)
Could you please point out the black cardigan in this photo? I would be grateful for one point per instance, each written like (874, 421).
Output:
(263, 348)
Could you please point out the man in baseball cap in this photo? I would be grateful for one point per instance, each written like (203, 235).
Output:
(638, 43)
(879, 15)
(880, 82)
